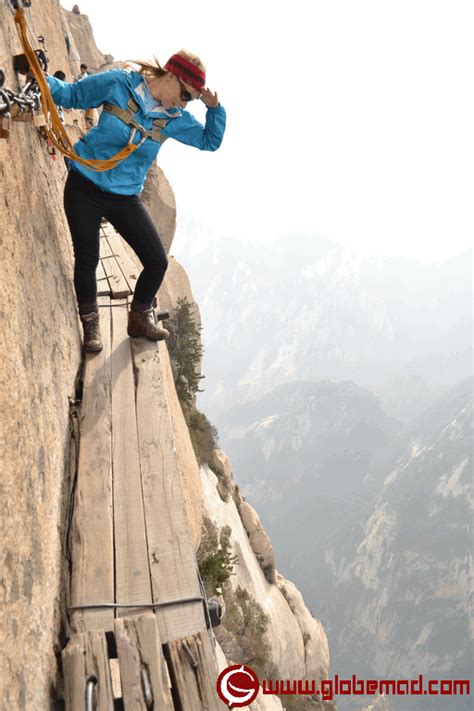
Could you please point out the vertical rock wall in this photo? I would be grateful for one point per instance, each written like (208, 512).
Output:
(82, 36)
(40, 361)
(41, 357)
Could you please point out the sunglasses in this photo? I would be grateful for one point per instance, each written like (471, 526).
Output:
(185, 95)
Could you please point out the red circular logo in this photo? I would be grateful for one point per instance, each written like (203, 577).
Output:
(237, 686)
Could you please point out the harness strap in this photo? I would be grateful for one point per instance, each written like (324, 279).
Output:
(127, 116)
(55, 130)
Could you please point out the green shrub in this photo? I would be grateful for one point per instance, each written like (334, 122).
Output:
(242, 634)
(203, 434)
(215, 559)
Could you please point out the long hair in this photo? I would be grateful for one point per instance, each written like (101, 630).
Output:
(150, 69)
(147, 68)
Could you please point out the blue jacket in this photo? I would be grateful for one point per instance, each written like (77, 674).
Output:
(118, 86)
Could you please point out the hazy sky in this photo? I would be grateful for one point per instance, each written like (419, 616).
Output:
(351, 119)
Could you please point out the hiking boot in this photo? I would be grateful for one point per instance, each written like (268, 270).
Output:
(92, 337)
(141, 324)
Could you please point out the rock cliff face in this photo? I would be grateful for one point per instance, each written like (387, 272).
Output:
(413, 561)
(41, 363)
(298, 645)
(80, 31)
(40, 360)
(372, 518)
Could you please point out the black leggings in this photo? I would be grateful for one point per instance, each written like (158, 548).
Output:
(85, 205)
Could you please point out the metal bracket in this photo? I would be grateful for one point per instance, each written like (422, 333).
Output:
(192, 658)
(17, 4)
(21, 64)
(167, 603)
(146, 688)
(90, 693)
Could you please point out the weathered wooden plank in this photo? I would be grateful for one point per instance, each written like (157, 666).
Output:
(97, 668)
(129, 269)
(132, 577)
(103, 287)
(74, 673)
(193, 672)
(115, 676)
(171, 553)
(117, 281)
(140, 653)
(92, 578)
(87, 672)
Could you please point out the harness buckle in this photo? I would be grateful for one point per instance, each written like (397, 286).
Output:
(143, 133)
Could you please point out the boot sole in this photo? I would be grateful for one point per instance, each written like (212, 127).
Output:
(93, 349)
(133, 334)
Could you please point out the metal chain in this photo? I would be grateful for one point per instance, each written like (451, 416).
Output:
(28, 99)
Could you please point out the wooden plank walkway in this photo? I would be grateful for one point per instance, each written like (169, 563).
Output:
(162, 492)
(139, 649)
(136, 612)
(92, 565)
(129, 268)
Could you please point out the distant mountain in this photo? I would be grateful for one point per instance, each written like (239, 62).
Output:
(334, 381)
(284, 446)
(303, 308)
(306, 455)
(372, 521)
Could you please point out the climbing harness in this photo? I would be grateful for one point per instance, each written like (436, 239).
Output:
(127, 116)
(54, 129)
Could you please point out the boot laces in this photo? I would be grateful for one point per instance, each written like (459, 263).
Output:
(150, 316)
(91, 327)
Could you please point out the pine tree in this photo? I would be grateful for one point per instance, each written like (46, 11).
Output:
(185, 349)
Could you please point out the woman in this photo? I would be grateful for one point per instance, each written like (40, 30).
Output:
(146, 107)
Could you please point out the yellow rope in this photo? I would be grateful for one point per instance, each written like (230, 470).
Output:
(55, 129)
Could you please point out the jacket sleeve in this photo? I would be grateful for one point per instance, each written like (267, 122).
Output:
(190, 131)
(88, 93)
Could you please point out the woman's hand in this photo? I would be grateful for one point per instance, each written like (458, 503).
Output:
(209, 98)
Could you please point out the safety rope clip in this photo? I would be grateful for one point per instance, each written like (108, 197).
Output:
(5, 116)
(5, 106)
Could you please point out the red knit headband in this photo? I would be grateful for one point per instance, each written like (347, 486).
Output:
(185, 70)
